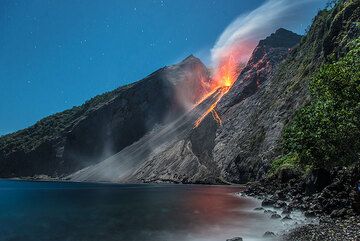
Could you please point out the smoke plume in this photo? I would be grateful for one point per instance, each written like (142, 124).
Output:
(242, 35)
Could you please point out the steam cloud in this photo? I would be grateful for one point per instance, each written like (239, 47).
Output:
(242, 35)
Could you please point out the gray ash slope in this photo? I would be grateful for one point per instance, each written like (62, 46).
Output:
(71, 140)
(210, 152)
(266, 95)
(197, 155)
(122, 166)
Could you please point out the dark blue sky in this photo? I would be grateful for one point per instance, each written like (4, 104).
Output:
(57, 54)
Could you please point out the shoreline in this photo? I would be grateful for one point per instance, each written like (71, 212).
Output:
(291, 220)
(330, 196)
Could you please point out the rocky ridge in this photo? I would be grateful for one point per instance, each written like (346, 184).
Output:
(71, 140)
(195, 158)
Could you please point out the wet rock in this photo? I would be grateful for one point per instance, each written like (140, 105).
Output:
(317, 180)
(281, 195)
(286, 218)
(338, 213)
(258, 208)
(287, 174)
(269, 212)
(268, 234)
(287, 210)
(310, 214)
(267, 202)
(279, 204)
(235, 239)
(275, 216)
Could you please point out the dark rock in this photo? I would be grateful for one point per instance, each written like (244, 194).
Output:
(338, 213)
(287, 210)
(275, 216)
(287, 174)
(267, 202)
(279, 204)
(258, 208)
(355, 200)
(269, 212)
(268, 234)
(310, 214)
(286, 218)
(317, 180)
(235, 239)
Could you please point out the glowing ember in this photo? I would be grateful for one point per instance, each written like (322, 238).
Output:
(223, 78)
(223, 91)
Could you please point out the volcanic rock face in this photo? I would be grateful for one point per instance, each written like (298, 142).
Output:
(200, 154)
(254, 112)
(76, 138)
(210, 153)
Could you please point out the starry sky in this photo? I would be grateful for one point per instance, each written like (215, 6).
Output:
(56, 54)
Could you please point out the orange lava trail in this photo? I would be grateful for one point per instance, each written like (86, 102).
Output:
(224, 77)
(216, 117)
(223, 91)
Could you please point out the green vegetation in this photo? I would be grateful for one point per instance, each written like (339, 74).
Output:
(326, 132)
(290, 160)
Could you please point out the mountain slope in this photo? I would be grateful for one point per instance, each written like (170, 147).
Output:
(73, 139)
(202, 156)
(254, 112)
(247, 146)
(187, 155)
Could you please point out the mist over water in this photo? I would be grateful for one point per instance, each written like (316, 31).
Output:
(85, 211)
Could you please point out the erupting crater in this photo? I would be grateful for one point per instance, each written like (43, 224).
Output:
(223, 78)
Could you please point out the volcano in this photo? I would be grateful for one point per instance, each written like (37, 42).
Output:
(187, 149)
(182, 123)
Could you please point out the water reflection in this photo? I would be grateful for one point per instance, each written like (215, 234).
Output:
(73, 211)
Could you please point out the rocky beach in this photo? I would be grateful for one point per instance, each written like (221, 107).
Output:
(331, 197)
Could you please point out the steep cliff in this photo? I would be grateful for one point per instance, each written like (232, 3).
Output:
(73, 139)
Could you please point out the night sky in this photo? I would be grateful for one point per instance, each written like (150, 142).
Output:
(57, 54)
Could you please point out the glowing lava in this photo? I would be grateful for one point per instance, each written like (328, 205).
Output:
(223, 78)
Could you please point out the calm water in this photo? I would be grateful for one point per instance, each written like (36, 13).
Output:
(86, 211)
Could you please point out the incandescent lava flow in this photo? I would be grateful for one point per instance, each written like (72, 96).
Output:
(223, 78)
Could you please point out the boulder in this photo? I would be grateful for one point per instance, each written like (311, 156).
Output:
(268, 234)
(317, 180)
(275, 216)
(287, 174)
(235, 239)
(267, 202)
(286, 218)
(310, 214)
